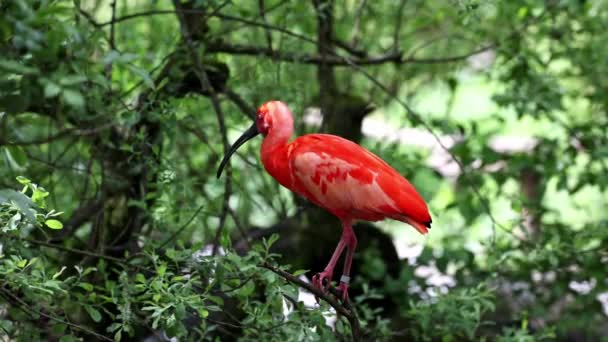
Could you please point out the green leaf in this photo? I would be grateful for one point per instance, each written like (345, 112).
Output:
(143, 74)
(51, 89)
(299, 273)
(56, 275)
(86, 286)
(72, 80)
(68, 338)
(162, 269)
(16, 67)
(94, 313)
(273, 238)
(24, 203)
(53, 224)
(73, 98)
(58, 329)
(18, 155)
(140, 278)
(23, 180)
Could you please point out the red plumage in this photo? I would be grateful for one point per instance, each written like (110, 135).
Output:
(364, 186)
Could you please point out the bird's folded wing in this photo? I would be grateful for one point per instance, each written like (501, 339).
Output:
(348, 180)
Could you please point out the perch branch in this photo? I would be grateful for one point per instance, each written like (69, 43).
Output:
(345, 309)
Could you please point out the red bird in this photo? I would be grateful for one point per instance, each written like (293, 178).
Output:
(336, 174)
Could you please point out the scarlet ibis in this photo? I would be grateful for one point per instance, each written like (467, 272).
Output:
(336, 174)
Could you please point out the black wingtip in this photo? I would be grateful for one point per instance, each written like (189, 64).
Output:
(428, 224)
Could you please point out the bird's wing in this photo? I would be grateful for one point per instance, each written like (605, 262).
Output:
(348, 180)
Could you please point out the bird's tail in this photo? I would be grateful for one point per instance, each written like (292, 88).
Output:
(422, 228)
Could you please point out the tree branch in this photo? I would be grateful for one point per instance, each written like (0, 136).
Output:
(336, 60)
(345, 309)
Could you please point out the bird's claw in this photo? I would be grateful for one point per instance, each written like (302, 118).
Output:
(343, 288)
(322, 281)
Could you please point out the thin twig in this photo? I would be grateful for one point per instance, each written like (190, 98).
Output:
(181, 229)
(70, 250)
(262, 6)
(112, 28)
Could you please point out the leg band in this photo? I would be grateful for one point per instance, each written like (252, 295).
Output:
(345, 279)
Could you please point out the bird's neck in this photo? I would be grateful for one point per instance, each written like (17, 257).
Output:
(274, 153)
(276, 140)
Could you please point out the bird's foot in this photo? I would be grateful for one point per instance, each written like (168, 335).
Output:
(343, 287)
(322, 281)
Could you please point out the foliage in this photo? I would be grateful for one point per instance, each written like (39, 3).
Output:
(439, 319)
(114, 115)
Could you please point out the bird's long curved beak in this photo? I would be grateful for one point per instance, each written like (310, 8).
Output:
(248, 134)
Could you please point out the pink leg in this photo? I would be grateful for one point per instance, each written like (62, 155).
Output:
(351, 244)
(319, 279)
(323, 280)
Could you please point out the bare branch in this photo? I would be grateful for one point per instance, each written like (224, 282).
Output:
(181, 229)
(71, 250)
(262, 8)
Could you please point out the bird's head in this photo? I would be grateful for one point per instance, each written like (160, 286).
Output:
(270, 116)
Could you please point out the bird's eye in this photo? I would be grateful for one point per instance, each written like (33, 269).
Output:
(261, 123)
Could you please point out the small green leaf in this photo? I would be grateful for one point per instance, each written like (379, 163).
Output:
(23, 180)
(94, 313)
(73, 98)
(68, 338)
(23, 202)
(88, 287)
(17, 154)
(299, 273)
(58, 329)
(273, 238)
(139, 278)
(72, 80)
(56, 275)
(51, 89)
(145, 76)
(162, 269)
(16, 67)
(53, 224)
